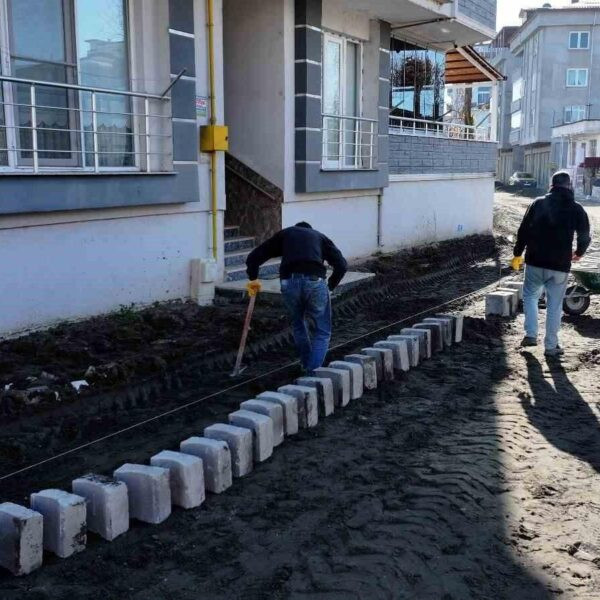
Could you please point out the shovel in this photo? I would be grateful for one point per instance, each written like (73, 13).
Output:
(238, 369)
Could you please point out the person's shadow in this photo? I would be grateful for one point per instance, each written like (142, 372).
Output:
(560, 413)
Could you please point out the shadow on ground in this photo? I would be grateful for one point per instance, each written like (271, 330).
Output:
(560, 413)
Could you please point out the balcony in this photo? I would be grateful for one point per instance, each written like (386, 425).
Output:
(419, 146)
(439, 129)
(349, 143)
(49, 127)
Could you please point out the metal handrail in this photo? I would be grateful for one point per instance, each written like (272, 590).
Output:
(81, 88)
(349, 148)
(351, 118)
(442, 129)
(89, 134)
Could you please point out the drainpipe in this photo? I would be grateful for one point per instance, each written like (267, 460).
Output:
(379, 223)
(213, 137)
(591, 78)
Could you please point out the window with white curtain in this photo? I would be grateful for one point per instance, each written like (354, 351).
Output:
(577, 77)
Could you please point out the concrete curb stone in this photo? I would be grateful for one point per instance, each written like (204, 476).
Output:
(239, 440)
(262, 428)
(324, 387)
(216, 461)
(357, 386)
(148, 490)
(289, 404)
(273, 411)
(21, 539)
(369, 367)
(186, 477)
(107, 504)
(65, 531)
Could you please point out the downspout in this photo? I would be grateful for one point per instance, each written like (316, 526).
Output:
(591, 78)
(379, 220)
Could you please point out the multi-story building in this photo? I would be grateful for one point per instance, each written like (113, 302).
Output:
(336, 110)
(111, 193)
(553, 71)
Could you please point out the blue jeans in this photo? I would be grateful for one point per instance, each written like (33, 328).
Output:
(305, 297)
(555, 285)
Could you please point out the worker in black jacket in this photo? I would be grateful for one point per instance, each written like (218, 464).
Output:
(547, 232)
(303, 251)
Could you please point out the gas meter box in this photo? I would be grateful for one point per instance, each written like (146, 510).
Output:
(214, 138)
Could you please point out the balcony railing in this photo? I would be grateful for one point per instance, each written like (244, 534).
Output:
(439, 129)
(349, 142)
(49, 126)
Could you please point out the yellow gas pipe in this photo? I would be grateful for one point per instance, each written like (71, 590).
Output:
(213, 138)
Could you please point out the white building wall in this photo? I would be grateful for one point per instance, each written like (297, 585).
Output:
(349, 220)
(423, 209)
(71, 270)
(414, 210)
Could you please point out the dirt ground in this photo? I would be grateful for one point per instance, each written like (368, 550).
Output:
(473, 476)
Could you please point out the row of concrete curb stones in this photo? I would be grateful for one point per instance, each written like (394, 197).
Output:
(58, 521)
(504, 300)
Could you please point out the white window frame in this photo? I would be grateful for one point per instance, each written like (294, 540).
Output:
(579, 36)
(577, 72)
(518, 86)
(73, 37)
(339, 163)
(572, 109)
(513, 118)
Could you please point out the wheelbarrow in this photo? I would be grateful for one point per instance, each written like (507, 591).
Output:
(577, 297)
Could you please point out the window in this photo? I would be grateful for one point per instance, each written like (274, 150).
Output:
(579, 40)
(573, 153)
(593, 148)
(418, 81)
(484, 95)
(515, 120)
(345, 143)
(517, 91)
(65, 41)
(574, 113)
(577, 77)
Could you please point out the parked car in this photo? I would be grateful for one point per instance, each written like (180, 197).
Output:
(522, 179)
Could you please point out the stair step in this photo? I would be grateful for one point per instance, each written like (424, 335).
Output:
(231, 231)
(233, 259)
(269, 269)
(237, 244)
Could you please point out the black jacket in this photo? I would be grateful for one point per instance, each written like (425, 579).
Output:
(548, 229)
(303, 251)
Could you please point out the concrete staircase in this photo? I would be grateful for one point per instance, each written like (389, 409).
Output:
(237, 248)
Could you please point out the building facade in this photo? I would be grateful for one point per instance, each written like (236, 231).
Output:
(113, 195)
(553, 70)
(105, 199)
(337, 114)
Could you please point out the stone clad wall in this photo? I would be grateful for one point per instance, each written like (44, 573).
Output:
(424, 155)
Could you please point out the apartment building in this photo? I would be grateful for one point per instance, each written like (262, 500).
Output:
(335, 110)
(112, 193)
(553, 68)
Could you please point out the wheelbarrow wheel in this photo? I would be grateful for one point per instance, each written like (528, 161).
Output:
(577, 300)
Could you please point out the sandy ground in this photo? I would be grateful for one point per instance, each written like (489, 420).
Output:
(473, 476)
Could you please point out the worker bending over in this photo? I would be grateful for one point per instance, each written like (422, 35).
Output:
(306, 294)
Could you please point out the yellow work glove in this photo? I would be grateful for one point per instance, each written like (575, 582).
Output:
(254, 287)
(516, 263)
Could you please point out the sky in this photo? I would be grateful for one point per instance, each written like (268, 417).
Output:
(508, 10)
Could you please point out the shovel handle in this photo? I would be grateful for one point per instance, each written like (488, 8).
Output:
(240, 355)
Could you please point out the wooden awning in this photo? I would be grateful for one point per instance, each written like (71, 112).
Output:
(465, 65)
